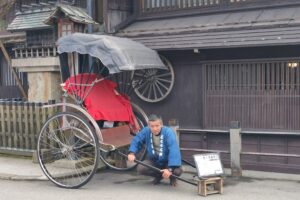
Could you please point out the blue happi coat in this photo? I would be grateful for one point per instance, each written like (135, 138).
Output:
(170, 153)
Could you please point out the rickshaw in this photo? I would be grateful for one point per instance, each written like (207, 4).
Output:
(96, 116)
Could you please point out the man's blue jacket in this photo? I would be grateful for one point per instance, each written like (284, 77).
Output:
(170, 152)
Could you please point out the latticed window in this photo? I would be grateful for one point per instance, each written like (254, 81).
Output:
(253, 76)
(66, 29)
(40, 38)
(261, 95)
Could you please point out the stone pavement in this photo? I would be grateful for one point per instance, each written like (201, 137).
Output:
(112, 185)
(22, 168)
(17, 168)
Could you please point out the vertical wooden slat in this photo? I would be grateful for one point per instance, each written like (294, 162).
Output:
(293, 99)
(31, 125)
(227, 91)
(38, 122)
(256, 100)
(3, 127)
(287, 90)
(261, 93)
(14, 125)
(222, 91)
(248, 95)
(269, 96)
(26, 124)
(146, 5)
(47, 113)
(292, 94)
(283, 88)
(180, 5)
(8, 122)
(276, 94)
(273, 93)
(205, 88)
(20, 107)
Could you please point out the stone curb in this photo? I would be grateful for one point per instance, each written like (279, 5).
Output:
(14, 177)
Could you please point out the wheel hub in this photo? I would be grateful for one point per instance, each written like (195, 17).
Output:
(66, 150)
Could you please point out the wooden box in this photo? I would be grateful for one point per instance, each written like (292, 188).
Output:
(213, 185)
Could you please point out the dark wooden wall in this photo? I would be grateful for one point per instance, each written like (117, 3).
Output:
(186, 100)
(184, 103)
(117, 12)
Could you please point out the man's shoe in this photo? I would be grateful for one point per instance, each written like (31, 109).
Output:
(156, 180)
(173, 182)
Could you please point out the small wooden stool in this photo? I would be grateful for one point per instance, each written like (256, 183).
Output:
(213, 185)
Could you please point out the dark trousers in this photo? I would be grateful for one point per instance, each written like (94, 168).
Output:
(149, 172)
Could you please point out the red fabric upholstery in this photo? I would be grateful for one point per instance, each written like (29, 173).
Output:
(103, 102)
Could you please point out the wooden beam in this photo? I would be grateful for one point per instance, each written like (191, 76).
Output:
(105, 16)
(19, 83)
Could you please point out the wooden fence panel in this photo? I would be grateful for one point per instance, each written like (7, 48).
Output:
(20, 124)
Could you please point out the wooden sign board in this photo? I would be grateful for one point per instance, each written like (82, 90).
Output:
(208, 165)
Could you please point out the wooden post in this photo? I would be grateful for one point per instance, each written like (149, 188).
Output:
(174, 125)
(13, 71)
(3, 129)
(235, 148)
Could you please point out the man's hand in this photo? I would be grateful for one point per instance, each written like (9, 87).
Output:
(166, 173)
(131, 157)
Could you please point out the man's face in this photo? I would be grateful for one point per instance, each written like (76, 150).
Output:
(155, 126)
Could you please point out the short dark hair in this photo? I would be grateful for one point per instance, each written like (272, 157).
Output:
(154, 117)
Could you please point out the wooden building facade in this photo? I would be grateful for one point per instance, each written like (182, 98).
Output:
(229, 60)
(233, 60)
(42, 22)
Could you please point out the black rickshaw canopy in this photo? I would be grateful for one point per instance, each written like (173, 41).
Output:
(117, 54)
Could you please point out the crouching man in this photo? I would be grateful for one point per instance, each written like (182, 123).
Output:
(162, 151)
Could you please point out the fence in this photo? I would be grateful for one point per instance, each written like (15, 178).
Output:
(275, 151)
(20, 123)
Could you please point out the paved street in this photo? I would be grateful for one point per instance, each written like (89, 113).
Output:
(115, 185)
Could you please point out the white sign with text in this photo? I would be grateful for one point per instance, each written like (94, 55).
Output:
(208, 164)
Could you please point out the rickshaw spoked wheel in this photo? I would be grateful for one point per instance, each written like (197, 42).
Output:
(117, 162)
(68, 150)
